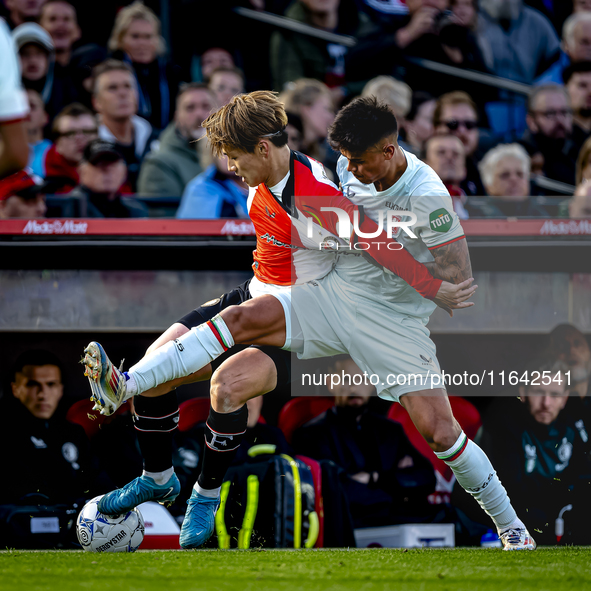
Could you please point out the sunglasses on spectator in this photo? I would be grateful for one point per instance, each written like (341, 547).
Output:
(84, 132)
(554, 113)
(454, 124)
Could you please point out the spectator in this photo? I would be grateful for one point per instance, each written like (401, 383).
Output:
(312, 101)
(394, 93)
(14, 150)
(47, 457)
(579, 205)
(22, 11)
(466, 12)
(581, 6)
(102, 173)
(583, 170)
(20, 197)
(576, 47)
(167, 170)
(428, 32)
(577, 78)
(389, 481)
(296, 55)
(58, 18)
(556, 11)
(115, 100)
(550, 126)
(384, 14)
(73, 128)
(136, 40)
(506, 171)
(82, 63)
(572, 348)
(37, 57)
(541, 453)
(418, 124)
(215, 193)
(295, 132)
(456, 113)
(226, 83)
(35, 125)
(517, 41)
(212, 59)
(446, 155)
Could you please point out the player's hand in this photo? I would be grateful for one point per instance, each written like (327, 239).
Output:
(452, 297)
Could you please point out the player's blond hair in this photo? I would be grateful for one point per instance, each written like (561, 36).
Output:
(245, 120)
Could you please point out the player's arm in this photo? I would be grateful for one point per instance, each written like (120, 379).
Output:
(390, 254)
(14, 149)
(452, 262)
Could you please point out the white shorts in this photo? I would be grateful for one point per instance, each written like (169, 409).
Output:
(283, 294)
(393, 348)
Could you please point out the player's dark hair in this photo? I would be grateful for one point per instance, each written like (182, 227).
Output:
(36, 357)
(362, 124)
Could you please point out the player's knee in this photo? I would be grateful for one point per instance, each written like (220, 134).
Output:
(442, 435)
(226, 395)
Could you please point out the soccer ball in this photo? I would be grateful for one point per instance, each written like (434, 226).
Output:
(100, 533)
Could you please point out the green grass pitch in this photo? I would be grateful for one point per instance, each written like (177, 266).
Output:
(551, 569)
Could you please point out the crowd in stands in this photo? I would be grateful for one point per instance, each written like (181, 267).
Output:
(537, 435)
(143, 82)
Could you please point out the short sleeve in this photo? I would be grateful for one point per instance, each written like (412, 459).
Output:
(437, 222)
(14, 105)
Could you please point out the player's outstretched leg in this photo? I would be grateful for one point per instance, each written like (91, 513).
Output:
(155, 421)
(431, 412)
(107, 383)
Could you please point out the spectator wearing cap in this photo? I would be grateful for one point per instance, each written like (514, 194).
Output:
(166, 170)
(136, 39)
(115, 100)
(20, 197)
(22, 11)
(506, 171)
(577, 79)
(576, 47)
(35, 125)
(102, 173)
(517, 41)
(37, 57)
(73, 128)
(456, 113)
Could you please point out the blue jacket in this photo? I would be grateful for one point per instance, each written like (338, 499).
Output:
(211, 195)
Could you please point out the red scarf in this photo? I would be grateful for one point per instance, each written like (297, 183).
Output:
(57, 166)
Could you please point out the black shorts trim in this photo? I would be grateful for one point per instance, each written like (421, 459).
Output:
(281, 358)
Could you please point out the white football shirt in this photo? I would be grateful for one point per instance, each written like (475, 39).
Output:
(14, 105)
(420, 191)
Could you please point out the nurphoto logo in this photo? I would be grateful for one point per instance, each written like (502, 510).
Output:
(390, 221)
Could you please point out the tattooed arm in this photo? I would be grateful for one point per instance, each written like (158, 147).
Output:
(452, 262)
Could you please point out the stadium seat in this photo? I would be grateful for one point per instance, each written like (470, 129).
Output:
(299, 411)
(196, 410)
(469, 418)
(90, 420)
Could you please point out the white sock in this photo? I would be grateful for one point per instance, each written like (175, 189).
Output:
(160, 477)
(476, 475)
(130, 386)
(212, 493)
(183, 356)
